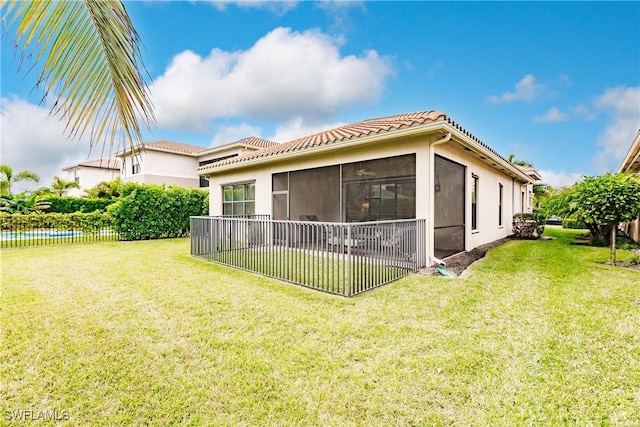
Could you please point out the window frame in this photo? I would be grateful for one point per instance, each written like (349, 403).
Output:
(500, 203)
(475, 184)
(235, 206)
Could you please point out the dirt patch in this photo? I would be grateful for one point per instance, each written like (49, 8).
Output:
(459, 262)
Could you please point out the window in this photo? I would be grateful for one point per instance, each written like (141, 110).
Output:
(135, 168)
(239, 199)
(474, 202)
(204, 182)
(522, 203)
(500, 204)
(76, 178)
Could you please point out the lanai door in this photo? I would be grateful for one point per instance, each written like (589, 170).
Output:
(449, 190)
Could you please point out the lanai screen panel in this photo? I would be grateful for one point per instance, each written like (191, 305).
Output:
(449, 215)
(381, 189)
(315, 193)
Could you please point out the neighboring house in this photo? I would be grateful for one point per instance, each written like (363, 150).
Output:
(91, 173)
(174, 163)
(418, 165)
(631, 164)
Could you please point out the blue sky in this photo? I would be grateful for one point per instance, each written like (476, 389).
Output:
(555, 83)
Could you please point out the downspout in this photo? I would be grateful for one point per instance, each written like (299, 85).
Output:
(432, 207)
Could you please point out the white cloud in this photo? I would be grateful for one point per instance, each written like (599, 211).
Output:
(285, 73)
(297, 128)
(31, 140)
(559, 179)
(227, 134)
(277, 7)
(553, 115)
(525, 90)
(623, 105)
(585, 113)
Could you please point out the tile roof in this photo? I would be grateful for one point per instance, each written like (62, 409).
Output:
(351, 132)
(343, 133)
(177, 147)
(97, 163)
(252, 141)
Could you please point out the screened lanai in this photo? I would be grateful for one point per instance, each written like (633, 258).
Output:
(372, 190)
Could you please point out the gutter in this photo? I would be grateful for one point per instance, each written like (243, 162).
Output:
(432, 207)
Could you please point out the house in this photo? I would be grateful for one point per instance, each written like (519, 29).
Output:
(91, 173)
(420, 165)
(631, 164)
(174, 163)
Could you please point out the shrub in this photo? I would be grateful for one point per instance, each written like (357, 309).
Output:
(77, 204)
(529, 225)
(146, 211)
(86, 222)
(573, 224)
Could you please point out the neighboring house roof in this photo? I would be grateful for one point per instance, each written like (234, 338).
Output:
(196, 150)
(531, 172)
(383, 126)
(97, 163)
(250, 142)
(631, 162)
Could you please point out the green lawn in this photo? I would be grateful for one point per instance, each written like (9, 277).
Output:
(140, 333)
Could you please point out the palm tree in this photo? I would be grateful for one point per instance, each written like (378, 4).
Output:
(105, 190)
(91, 65)
(512, 159)
(10, 178)
(60, 186)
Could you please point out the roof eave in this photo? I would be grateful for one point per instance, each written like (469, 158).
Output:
(633, 156)
(425, 128)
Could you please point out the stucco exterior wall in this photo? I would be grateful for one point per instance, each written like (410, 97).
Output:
(262, 175)
(489, 180)
(488, 229)
(157, 167)
(89, 177)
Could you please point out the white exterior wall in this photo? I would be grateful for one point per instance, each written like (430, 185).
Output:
(89, 177)
(158, 167)
(262, 175)
(489, 179)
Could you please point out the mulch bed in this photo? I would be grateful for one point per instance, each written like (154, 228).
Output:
(458, 263)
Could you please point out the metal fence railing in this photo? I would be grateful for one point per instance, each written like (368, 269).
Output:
(16, 231)
(340, 258)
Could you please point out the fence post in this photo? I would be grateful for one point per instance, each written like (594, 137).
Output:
(349, 261)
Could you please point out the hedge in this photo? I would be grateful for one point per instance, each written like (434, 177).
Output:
(147, 211)
(77, 204)
(87, 222)
(573, 224)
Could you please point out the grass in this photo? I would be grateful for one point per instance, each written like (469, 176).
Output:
(140, 333)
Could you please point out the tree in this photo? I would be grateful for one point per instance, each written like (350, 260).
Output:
(512, 159)
(90, 61)
(22, 203)
(8, 178)
(541, 193)
(607, 201)
(105, 190)
(60, 186)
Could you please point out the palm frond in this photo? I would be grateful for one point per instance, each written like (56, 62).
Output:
(91, 65)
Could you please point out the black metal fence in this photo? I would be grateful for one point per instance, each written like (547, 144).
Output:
(340, 258)
(45, 229)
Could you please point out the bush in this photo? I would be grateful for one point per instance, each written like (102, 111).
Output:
(77, 204)
(87, 222)
(573, 224)
(146, 211)
(529, 225)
